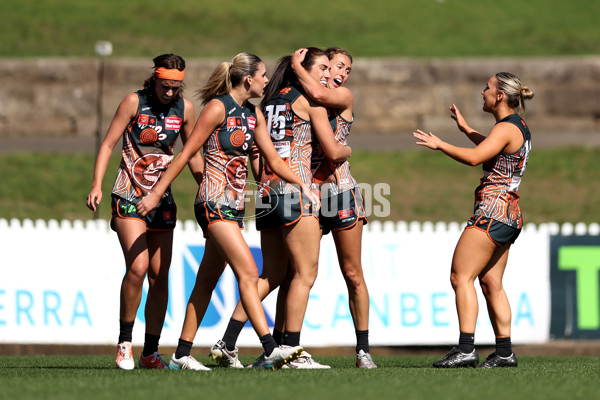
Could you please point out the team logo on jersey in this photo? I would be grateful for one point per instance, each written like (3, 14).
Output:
(237, 138)
(285, 90)
(168, 216)
(148, 168)
(237, 172)
(173, 123)
(148, 136)
(232, 122)
(251, 122)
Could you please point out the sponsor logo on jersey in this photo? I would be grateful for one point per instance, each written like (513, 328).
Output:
(128, 208)
(168, 215)
(173, 123)
(285, 90)
(346, 213)
(283, 149)
(143, 121)
(251, 122)
(232, 122)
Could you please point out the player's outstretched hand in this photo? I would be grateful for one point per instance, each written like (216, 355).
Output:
(460, 120)
(427, 139)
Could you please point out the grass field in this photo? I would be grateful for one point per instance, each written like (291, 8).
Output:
(378, 28)
(557, 184)
(398, 377)
(560, 185)
(424, 186)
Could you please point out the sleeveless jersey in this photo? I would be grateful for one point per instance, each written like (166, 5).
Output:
(292, 137)
(226, 156)
(496, 197)
(148, 143)
(332, 178)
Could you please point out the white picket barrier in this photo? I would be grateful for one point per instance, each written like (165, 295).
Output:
(60, 283)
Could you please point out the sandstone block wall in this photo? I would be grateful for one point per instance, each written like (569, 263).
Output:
(58, 96)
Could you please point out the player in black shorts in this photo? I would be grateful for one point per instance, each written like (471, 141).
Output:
(149, 121)
(226, 130)
(289, 228)
(342, 210)
(482, 250)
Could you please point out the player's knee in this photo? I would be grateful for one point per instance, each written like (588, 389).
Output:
(457, 280)
(307, 278)
(490, 285)
(354, 278)
(207, 282)
(249, 277)
(136, 274)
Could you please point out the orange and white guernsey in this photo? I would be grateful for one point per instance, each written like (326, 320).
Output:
(148, 143)
(292, 137)
(330, 177)
(226, 156)
(496, 197)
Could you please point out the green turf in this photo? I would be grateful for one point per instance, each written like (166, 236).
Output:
(424, 186)
(398, 377)
(272, 28)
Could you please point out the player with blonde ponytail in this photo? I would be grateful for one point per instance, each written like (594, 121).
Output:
(227, 128)
(482, 250)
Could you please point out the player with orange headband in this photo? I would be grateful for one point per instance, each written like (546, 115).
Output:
(149, 121)
(227, 128)
(172, 74)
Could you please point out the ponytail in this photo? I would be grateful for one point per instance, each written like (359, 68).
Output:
(228, 75)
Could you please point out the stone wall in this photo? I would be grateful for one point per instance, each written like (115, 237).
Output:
(58, 96)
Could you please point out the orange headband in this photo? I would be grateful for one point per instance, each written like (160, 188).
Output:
(170, 74)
